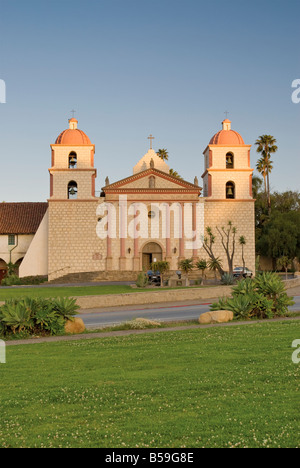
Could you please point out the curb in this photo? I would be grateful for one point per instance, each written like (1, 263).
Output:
(91, 336)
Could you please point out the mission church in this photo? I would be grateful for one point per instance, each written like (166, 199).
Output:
(134, 221)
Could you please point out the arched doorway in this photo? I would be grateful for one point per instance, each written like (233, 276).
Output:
(3, 269)
(152, 252)
(18, 264)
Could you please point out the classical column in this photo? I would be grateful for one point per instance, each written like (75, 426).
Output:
(168, 234)
(181, 240)
(109, 259)
(136, 257)
(195, 250)
(123, 232)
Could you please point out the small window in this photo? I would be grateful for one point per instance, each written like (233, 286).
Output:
(229, 161)
(72, 190)
(72, 160)
(12, 239)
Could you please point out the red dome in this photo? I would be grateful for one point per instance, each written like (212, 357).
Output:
(73, 136)
(227, 137)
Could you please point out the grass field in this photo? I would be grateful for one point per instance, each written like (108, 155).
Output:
(68, 291)
(218, 387)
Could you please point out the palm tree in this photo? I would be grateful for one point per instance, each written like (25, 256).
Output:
(256, 185)
(215, 264)
(163, 154)
(187, 266)
(242, 242)
(263, 168)
(266, 145)
(174, 174)
(202, 265)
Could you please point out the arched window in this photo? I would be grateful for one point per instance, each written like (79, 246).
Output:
(230, 190)
(72, 160)
(72, 190)
(229, 161)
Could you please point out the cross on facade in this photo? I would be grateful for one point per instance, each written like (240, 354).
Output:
(151, 138)
(226, 113)
(73, 112)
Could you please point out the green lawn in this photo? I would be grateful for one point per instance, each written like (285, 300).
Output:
(69, 291)
(62, 291)
(233, 386)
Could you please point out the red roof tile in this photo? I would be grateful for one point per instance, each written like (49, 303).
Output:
(21, 218)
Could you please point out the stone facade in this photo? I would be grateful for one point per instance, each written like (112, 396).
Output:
(140, 219)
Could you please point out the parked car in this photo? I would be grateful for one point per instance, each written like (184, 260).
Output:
(241, 271)
(153, 277)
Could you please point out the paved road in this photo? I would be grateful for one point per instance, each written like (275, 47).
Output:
(98, 318)
(95, 319)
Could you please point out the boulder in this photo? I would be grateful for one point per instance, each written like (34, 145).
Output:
(74, 327)
(216, 316)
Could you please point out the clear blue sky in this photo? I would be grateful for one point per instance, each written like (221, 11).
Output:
(134, 67)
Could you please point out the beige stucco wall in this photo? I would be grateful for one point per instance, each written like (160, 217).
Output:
(144, 163)
(61, 156)
(18, 251)
(73, 243)
(241, 214)
(35, 262)
(62, 179)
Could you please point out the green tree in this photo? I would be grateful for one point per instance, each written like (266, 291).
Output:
(163, 154)
(242, 242)
(280, 236)
(208, 245)
(215, 265)
(256, 185)
(187, 266)
(266, 145)
(162, 267)
(175, 174)
(228, 235)
(283, 262)
(202, 266)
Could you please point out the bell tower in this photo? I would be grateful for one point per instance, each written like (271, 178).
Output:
(227, 183)
(72, 172)
(228, 175)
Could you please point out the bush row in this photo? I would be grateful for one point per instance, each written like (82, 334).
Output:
(14, 280)
(30, 316)
(261, 297)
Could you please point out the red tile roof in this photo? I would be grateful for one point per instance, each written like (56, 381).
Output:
(21, 218)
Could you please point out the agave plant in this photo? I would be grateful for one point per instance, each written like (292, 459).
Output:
(244, 287)
(17, 317)
(65, 307)
(227, 279)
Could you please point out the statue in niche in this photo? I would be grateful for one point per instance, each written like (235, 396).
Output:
(152, 182)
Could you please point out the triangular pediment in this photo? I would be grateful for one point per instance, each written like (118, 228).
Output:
(151, 180)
